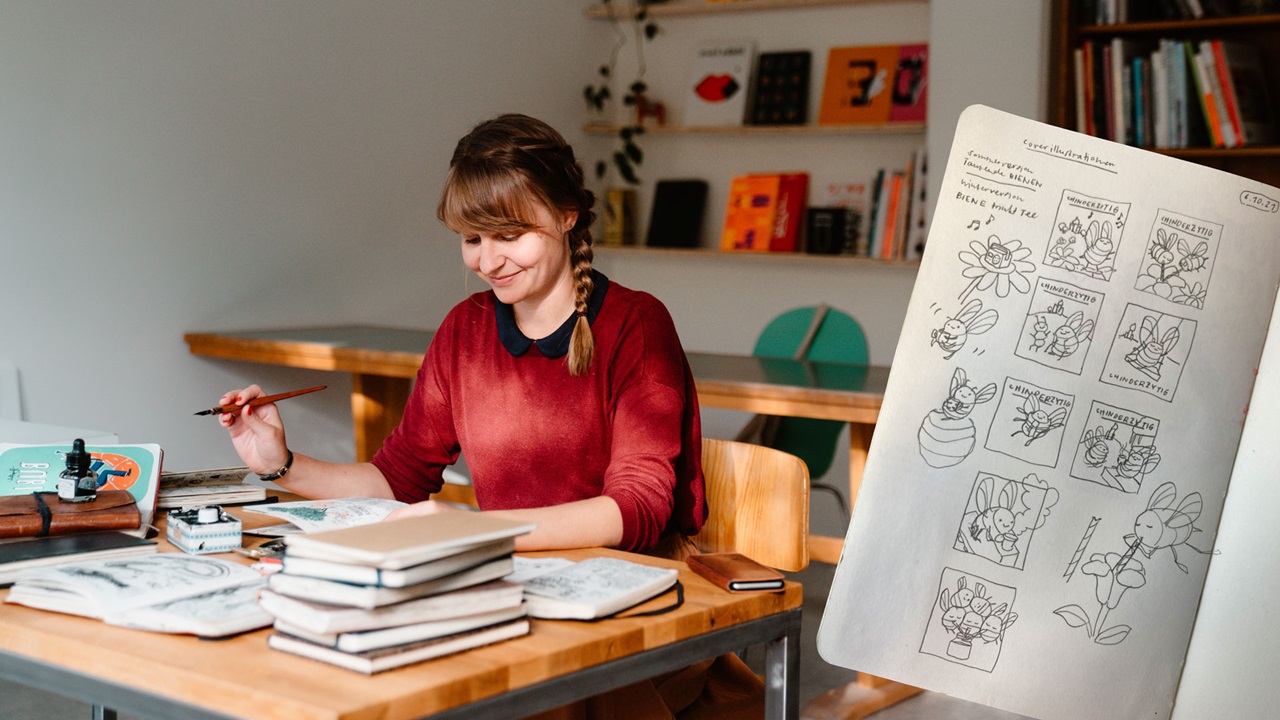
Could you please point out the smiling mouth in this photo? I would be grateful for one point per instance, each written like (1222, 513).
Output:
(501, 281)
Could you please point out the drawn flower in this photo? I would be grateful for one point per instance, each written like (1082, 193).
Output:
(999, 264)
(1193, 296)
(1111, 585)
(1063, 255)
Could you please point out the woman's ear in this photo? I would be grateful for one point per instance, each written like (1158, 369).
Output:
(570, 220)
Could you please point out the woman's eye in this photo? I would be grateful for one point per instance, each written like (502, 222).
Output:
(508, 238)
(471, 240)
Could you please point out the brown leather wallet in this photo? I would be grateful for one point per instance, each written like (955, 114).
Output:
(40, 514)
(736, 573)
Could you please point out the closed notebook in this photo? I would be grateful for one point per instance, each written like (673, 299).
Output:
(61, 550)
(40, 514)
(736, 572)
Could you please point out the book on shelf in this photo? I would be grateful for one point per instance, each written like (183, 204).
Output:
(325, 618)
(399, 544)
(25, 469)
(374, 661)
(675, 219)
(365, 640)
(335, 592)
(716, 93)
(750, 212)
(918, 213)
(736, 572)
(858, 86)
(793, 197)
(1089, 520)
(594, 588)
(1243, 77)
(780, 88)
(20, 555)
(221, 486)
(162, 592)
(1212, 80)
(325, 569)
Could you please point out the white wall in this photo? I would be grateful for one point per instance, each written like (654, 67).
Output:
(169, 167)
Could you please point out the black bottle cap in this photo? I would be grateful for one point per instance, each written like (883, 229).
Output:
(78, 459)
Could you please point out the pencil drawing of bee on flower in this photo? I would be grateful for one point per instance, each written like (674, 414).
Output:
(1174, 269)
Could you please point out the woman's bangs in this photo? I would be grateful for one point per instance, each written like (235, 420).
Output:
(475, 200)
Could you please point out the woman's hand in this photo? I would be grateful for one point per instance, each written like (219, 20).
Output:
(256, 432)
(426, 507)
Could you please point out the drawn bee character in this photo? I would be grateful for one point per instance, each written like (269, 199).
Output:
(1135, 461)
(1150, 353)
(994, 626)
(971, 320)
(963, 397)
(1098, 248)
(1036, 423)
(1069, 335)
(1163, 526)
(1097, 445)
(995, 519)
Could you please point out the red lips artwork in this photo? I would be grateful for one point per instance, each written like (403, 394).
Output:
(717, 88)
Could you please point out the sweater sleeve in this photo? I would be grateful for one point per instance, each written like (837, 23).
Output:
(649, 427)
(414, 455)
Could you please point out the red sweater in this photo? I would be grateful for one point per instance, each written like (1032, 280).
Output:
(535, 436)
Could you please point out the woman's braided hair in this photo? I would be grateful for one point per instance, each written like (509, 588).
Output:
(496, 171)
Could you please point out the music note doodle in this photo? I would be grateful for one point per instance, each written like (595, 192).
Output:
(974, 225)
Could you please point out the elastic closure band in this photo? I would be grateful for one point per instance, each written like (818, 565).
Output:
(46, 515)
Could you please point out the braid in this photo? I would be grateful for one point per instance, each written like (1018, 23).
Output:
(582, 345)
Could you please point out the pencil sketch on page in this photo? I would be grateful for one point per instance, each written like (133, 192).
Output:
(969, 619)
(947, 434)
(1179, 259)
(1149, 352)
(1030, 422)
(1059, 327)
(955, 332)
(1000, 519)
(1117, 448)
(1086, 235)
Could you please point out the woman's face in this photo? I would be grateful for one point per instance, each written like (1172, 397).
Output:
(528, 266)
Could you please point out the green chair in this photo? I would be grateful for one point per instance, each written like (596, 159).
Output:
(830, 335)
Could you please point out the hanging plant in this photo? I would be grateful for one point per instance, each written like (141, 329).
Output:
(627, 156)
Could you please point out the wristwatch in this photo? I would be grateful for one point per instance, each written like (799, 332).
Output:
(288, 463)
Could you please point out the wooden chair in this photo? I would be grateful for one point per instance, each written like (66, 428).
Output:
(758, 500)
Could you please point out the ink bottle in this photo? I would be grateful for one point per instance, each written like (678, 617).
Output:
(78, 483)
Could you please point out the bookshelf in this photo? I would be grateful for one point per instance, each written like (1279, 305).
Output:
(796, 145)
(1070, 30)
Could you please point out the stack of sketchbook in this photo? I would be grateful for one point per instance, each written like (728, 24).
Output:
(375, 597)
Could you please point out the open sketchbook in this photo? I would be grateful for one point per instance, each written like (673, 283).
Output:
(1060, 430)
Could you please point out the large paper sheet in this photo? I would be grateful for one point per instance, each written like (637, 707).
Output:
(1059, 427)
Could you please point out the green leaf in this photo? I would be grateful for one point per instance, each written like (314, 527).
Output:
(638, 87)
(604, 71)
(602, 167)
(625, 133)
(633, 153)
(629, 100)
(650, 30)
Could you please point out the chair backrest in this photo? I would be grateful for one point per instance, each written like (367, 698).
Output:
(758, 504)
(839, 339)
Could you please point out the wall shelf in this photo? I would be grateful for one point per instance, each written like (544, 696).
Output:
(767, 257)
(771, 130)
(715, 7)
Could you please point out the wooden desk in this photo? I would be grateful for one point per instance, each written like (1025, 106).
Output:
(150, 675)
(383, 361)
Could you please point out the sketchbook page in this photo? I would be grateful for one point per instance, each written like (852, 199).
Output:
(1230, 667)
(1059, 425)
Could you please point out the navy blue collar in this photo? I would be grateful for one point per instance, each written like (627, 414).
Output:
(557, 343)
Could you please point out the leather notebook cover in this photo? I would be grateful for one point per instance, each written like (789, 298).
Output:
(736, 572)
(20, 515)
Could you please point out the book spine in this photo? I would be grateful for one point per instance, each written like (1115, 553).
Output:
(1221, 120)
(1205, 91)
(1229, 100)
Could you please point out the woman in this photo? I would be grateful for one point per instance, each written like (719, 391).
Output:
(570, 395)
